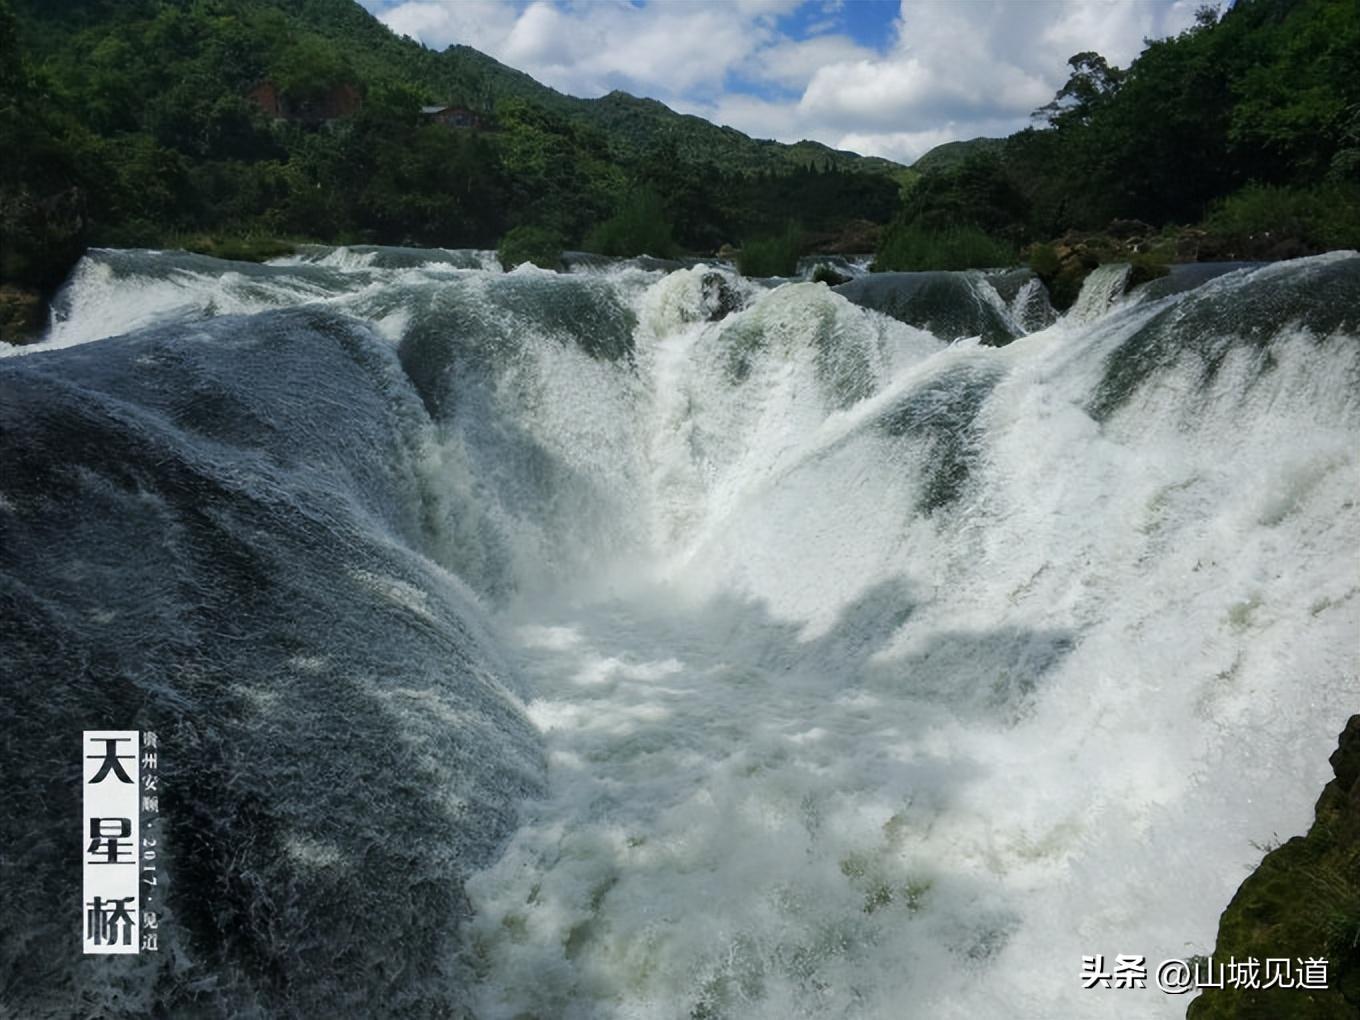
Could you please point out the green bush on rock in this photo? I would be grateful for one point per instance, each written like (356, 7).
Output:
(1302, 902)
(1261, 221)
(910, 247)
(539, 245)
(772, 256)
(640, 227)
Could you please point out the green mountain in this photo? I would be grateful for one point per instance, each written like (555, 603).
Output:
(160, 122)
(1238, 138)
(635, 126)
(952, 155)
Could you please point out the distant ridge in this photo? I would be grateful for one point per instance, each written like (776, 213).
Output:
(247, 125)
(634, 124)
(952, 154)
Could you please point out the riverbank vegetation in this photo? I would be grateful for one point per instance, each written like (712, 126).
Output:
(140, 122)
(237, 127)
(1243, 132)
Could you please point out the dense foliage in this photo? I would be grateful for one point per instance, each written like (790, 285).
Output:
(641, 226)
(773, 254)
(224, 124)
(910, 246)
(1248, 125)
(538, 246)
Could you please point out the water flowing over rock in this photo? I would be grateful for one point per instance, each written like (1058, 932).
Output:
(645, 641)
(948, 305)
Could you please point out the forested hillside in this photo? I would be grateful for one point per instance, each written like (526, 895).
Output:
(236, 126)
(1245, 128)
(145, 122)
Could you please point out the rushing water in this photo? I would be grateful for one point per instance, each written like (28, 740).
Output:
(634, 643)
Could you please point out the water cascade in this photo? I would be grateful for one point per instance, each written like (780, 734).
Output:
(653, 643)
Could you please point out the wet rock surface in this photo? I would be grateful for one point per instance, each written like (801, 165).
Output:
(1301, 903)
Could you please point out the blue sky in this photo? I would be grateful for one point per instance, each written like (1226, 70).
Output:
(868, 22)
(883, 77)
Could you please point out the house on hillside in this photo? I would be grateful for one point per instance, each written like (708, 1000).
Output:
(453, 117)
(323, 107)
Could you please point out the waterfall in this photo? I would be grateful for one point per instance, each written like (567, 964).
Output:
(645, 642)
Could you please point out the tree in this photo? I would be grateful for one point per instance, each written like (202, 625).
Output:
(976, 193)
(640, 227)
(1089, 88)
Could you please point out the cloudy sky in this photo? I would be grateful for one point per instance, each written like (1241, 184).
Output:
(880, 77)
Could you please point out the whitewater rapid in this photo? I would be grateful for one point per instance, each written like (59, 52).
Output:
(874, 671)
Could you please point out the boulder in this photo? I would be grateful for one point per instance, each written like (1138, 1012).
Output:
(22, 315)
(1302, 902)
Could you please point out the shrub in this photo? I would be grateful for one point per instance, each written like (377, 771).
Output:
(251, 246)
(772, 256)
(1063, 276)
(539, 245)
(907, 246)
(1319, 218)
(1043, 259)
(1146, 266)
(640, 227)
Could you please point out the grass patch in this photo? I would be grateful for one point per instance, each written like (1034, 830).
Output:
(772, 256)
(1320, 218)
(639, 227)
(250, 247)
(909, 247)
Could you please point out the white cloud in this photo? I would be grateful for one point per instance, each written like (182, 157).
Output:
(483, 24)
(792, 63)
(909, 146)
(1116, 31)
(767, 8)
(666, 50)
(759, 118)
(947, 70)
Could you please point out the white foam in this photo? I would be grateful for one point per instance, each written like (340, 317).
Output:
(837, 757)
(817, 750)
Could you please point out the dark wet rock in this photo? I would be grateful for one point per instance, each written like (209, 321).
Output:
(1186, 276)
(654, 264)
(1025, 295)
(392, 256)
(720, 298)
(1302, 902)
(826, 274)
(1009, 282)
(574, 260)
(214, 534)
(944, 414)
(949, 305)
(1323, 299)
